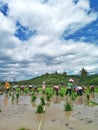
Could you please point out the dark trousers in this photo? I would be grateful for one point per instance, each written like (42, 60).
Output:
(80, 92)
(92, 90)
(7, 90)
(56, 90)
(68, 91)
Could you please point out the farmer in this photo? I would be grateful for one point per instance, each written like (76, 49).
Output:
(30, 87)
(14, 87)
(43, 87)
(7, 86)
(35, 88)
(91, 88)
(79, 90)
(56, 88)
(69, 87)
(22, 88)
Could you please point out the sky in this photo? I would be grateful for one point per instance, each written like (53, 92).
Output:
(47, 36)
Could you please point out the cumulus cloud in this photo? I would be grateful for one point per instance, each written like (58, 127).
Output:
(48, 50)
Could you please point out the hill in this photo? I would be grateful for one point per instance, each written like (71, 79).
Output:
(57, 78)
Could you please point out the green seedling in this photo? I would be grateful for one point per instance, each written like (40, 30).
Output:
(67, 107)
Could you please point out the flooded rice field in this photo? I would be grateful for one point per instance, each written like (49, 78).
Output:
(21, 113)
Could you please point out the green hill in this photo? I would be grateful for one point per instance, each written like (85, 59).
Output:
(57, 78)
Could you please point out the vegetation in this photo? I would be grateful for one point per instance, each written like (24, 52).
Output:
(13, 97)
(57, 78)
(92, 103)
(84, 73)
(88, 96)
(42, 101)
(33, 98)
(40, 109)
(48, 96)
(67, 107)
(23, 128)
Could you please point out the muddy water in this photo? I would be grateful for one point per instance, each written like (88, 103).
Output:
(22, 113)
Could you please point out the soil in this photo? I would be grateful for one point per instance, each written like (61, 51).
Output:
(22, 113)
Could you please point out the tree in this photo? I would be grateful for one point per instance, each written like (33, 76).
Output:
(84, 73)
(65, 74)
(56, 72)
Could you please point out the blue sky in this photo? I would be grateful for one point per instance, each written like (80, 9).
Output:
(40, 36)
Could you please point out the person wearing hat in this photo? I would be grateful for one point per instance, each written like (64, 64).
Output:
(69, 87)
(43, 87)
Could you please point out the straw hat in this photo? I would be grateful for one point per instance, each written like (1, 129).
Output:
(71, 80)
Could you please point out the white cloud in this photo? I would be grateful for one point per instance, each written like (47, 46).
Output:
(47, 51)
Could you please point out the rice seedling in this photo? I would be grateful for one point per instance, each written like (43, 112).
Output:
(67, 107)
(33, 98)
(42, 101)
(61, 94)
(13, 98)
(23, 128)
(88, 96)
(40, 109)
(48, 97)
(26, 90)
(92, 103)
(17, 96)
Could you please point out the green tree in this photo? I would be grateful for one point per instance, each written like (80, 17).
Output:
(65, 74)
(84, 73)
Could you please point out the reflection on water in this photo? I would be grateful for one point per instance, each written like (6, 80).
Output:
(79, 118)
(80, 101)
(56, 100)
(92, 96)
(68, 114)
(48, 103)
(5, 101)
(34, 104)
(39, 117)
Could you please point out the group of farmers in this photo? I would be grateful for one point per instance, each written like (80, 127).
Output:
(56, 88)
(72, 88)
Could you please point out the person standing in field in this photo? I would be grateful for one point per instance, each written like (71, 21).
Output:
(7, 86)
(43, 87)
(69, 87)
(91, 88)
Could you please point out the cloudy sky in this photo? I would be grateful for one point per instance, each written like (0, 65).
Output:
(40, 36)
